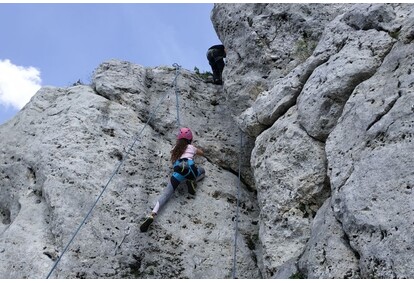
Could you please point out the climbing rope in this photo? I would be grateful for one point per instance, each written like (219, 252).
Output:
(117, 246)
(117, 169)
(237, 208)
(177, 72)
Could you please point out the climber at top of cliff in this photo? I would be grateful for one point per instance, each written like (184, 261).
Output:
(215, 56)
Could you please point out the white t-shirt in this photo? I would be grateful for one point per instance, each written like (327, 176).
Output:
(189, 152)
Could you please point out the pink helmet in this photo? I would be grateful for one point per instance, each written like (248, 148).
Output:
(185, 133)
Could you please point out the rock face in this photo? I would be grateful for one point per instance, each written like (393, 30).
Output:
(324, 96)
(61, 150)
(352, 96)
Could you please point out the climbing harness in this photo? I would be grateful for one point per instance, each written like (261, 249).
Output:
(237, 208)
(177, 67)
(183, 168)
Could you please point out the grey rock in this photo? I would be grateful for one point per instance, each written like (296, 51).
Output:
(369, 16)
(287, 270)
(328, 254)
(59, 152)
(271, 105)
(323, 95)
(264, 42)
(289, 169)
(370, 169)
(203, 107)
(326, 97)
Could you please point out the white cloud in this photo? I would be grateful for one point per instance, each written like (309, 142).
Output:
(17, 84)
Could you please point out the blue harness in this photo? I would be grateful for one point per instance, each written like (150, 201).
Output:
(183, 168)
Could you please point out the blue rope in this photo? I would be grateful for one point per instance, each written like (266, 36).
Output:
(237, 209)
(110, 179)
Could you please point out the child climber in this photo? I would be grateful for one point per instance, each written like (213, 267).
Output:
(182, 157)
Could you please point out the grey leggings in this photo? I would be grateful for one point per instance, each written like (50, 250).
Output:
(173, 183)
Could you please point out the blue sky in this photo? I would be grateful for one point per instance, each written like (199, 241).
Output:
(58, 44)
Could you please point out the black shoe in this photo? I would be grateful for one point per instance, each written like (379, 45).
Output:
(145, 225)
(192, 186)
(218, 82)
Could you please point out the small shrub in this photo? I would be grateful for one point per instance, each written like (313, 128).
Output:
(304, 49)
(204, 75)
(79, 82)
(297, 275)
(394, 34)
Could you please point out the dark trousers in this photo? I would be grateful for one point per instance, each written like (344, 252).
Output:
(215, 59)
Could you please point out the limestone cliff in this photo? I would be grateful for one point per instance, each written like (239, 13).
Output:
(324, 97)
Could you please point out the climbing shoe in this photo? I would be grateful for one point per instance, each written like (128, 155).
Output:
(192, 186)
(145, 225)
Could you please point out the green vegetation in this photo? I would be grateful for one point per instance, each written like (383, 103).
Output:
(297, 275)
(395, 33)
(304, 49)
(79, 82)
(204, 75)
